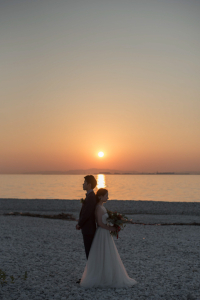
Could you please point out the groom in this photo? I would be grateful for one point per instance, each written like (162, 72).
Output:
(86, 221)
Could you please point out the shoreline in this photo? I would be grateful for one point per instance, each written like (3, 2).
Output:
(134, 200)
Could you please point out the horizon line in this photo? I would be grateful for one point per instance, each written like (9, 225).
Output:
(110, 172)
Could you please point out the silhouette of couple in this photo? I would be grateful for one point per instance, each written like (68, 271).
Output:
(104, 267)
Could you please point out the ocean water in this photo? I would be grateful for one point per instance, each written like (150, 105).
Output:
(176, 188)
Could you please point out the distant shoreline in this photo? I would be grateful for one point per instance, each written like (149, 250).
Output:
(104, 173)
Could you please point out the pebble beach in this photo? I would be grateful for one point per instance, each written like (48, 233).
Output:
(164, 260)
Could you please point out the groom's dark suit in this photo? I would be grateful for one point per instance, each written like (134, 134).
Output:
(87, 220)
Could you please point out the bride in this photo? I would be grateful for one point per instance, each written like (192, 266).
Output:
(104, 267)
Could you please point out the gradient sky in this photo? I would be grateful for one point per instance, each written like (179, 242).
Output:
(79, 77)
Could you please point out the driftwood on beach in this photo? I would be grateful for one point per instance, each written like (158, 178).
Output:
(62, 216)
(165, 224)
(70, 217)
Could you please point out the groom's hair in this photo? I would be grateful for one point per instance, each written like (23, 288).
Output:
(90, 179)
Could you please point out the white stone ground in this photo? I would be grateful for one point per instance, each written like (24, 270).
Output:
(164, 260)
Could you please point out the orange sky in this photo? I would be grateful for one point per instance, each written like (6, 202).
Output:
(79, 78)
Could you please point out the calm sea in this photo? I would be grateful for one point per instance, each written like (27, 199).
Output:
(176, 188)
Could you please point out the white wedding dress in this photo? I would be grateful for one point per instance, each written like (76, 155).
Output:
(104, 267)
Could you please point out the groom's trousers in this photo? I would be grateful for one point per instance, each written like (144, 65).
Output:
(87, 239)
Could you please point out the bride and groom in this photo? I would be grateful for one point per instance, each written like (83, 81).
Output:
(104, 267)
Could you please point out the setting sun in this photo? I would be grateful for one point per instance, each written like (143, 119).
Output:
(100, 154)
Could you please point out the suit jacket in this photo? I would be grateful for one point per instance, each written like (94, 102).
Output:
(87, 215)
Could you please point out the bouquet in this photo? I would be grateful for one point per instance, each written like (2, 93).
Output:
(118, 220)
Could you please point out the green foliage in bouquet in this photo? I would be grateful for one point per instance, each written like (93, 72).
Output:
(118, 220)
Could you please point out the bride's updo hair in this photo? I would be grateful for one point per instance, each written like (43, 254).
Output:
(101, 192)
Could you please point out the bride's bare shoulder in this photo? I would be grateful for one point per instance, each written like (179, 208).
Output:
(98, 208)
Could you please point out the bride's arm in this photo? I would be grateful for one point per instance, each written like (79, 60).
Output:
(99, 214)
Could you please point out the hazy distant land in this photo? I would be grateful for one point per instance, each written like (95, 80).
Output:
(108, 172)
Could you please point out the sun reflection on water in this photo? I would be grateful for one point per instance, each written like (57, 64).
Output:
(101, 181)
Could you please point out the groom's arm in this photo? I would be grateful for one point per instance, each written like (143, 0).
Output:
(87, 210)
